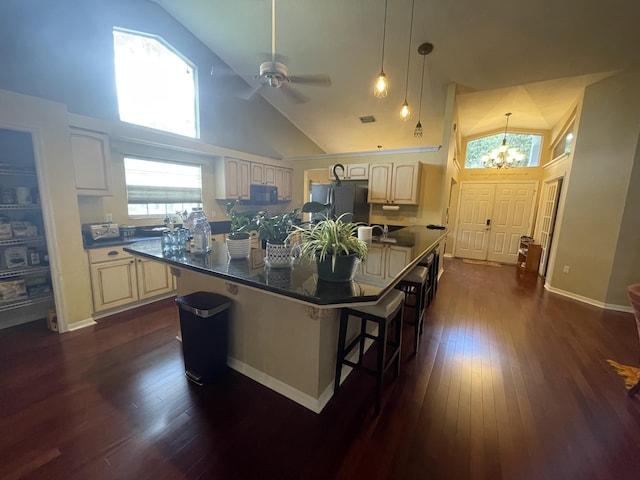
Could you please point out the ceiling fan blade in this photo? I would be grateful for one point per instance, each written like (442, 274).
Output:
(318, 79)
(293, 94)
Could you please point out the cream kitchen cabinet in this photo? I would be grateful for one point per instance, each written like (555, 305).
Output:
(118, 279)
(394, 183)
(232, 179)
(262, 174)
(283, 182)
(91, 162)
(352, 171)
(385, 261)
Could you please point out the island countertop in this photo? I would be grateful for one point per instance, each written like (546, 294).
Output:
(300, 282)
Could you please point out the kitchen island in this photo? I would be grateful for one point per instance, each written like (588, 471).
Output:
(284, 322)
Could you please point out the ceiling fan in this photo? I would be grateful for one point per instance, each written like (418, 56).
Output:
(276, 74)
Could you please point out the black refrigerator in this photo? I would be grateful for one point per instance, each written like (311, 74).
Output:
(348, 197)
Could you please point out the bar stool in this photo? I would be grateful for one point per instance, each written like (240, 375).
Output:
(386, 312)
(414, 285)
(430, 263)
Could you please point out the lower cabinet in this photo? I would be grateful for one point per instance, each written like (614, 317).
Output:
(119, 279)
(385, 261)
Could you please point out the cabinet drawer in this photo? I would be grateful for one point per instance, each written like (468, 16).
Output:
(107, 254)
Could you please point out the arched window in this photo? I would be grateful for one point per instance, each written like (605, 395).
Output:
(156, 85)
(528, 144)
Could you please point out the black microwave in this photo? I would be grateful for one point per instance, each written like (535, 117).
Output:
(263, 194)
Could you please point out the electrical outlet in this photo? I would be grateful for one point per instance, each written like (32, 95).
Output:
(108, 217)
(566, 269)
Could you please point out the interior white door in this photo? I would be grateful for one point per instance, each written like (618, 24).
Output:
(510, 219)
(475, 206)
(548, 210)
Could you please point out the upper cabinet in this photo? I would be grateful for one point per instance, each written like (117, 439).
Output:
(283, 182)
(91, 160)
(262, 174)
(232, 179)
(352, 171)
(394, 183)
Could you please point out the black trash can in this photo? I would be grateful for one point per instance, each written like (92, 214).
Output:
(204, 323)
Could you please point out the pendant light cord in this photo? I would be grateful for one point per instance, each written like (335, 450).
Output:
(384, 35)
(406, 85)
(424, 57)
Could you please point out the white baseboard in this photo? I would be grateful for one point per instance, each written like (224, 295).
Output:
(81, 324)
(308, 401)
(590, 301)
(131, 306)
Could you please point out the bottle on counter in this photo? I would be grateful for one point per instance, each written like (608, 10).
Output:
(201, 231)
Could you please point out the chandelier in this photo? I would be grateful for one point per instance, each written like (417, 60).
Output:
(503, 156)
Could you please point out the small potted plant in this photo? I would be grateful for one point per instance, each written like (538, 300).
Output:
(335, 247)
(275, 231)
(239, 238)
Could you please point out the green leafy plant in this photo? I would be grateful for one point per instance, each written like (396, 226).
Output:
(332, 238)
(276, 229)
(241, 222)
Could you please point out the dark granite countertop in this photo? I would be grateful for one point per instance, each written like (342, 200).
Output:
(300, 280)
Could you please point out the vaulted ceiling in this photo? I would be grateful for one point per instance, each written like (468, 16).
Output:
(529, 58)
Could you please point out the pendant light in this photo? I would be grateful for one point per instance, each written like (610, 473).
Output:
(381, 87)
(424, 50)
(405, 111)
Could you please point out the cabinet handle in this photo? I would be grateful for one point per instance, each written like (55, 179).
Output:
(113, 253)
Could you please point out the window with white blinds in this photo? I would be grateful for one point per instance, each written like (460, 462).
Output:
(159, 188)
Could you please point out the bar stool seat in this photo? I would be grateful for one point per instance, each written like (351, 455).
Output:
(387, 312)
(414, 284)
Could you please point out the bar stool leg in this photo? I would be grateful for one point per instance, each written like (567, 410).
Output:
(342, 336)
(382, 351)
(399, 319)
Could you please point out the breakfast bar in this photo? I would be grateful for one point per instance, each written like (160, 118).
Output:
(284, 322)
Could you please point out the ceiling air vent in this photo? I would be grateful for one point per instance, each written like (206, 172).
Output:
(368, 119)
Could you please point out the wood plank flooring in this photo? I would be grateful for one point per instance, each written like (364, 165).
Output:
(510, 383)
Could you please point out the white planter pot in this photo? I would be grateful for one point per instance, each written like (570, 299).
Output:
(239, 248)
(278, 255)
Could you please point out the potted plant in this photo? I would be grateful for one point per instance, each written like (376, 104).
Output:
(275, 231)
(239, 238)
(335, 247)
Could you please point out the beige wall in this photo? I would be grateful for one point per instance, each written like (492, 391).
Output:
(599, 229)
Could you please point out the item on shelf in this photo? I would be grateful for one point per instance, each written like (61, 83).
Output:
(15, 257)
(6, 233)
(12, 290)
(23, 195)
(33, 255)
(20, 229)
(52, 320)
(8, 195)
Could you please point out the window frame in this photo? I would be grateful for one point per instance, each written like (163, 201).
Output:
(184, 58)
(500, 132)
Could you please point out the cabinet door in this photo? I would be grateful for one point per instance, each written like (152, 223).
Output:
(113, 284)
(404, 185)
(91, 162)
(283, 182)
(357, 171)
(257, 172)
(232, 178)
(154, 278)
(379, 182)
(269, 175)
(397, 259)
(374, 266)
(244, 179)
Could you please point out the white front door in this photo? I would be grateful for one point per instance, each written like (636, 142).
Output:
(476, 203)
(511, 218)
(492, 217)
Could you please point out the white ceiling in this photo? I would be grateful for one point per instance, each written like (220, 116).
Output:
(529, 58)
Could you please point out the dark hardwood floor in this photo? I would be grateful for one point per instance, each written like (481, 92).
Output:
(510, 383)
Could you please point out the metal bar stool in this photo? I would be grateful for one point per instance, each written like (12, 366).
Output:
(414, 285)
(386, 312)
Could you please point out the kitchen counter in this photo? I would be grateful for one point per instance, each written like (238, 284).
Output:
(300, 281)
(284, 322)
